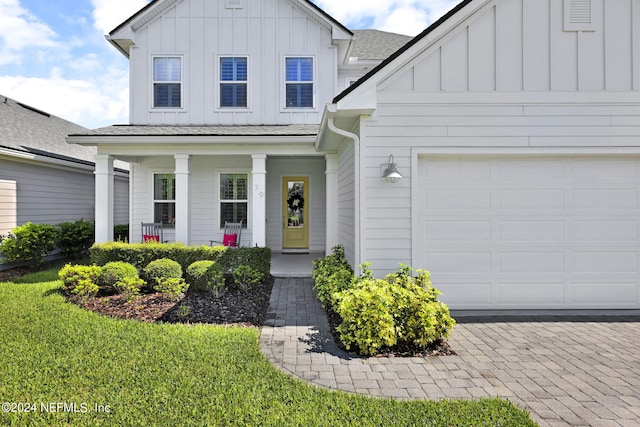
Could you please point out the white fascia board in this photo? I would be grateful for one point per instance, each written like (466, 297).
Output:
(173, 140)
(133, 153)
(44, 160)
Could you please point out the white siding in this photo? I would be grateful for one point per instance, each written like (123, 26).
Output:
(521, 45)
(346, 200)
(8, 206)
(314, 168)
(265, 31)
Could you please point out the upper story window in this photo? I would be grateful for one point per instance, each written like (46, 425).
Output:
(233, 82)
(167, 82)
(299, 82)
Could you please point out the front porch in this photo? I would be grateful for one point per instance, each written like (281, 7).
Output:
(191, 195)
(285, 264)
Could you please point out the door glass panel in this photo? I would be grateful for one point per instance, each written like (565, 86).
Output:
(295, 204)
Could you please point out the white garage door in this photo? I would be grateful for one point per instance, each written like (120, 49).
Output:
(531, 232)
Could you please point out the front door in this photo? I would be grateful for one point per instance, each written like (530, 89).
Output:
(295, 208)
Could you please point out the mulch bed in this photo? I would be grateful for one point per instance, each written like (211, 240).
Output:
(235, 307)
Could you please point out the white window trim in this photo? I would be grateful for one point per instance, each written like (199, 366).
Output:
(182, 83)
(153, 194)
(284, 80)
(219, 202)
(219, 83)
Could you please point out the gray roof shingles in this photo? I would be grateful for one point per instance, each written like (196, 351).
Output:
(27, 129)
(377, 45)
(151, 130)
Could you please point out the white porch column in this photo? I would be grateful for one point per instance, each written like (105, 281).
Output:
(183, 198)
(259, 211)
(104, 177)
(331, 177)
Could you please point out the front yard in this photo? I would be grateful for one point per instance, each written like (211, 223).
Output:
(62, 365)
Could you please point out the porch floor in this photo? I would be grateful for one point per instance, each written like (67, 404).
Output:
(293, 264)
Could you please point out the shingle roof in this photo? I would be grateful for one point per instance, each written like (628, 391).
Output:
(377, 45)
(151, 130)
(28, 129)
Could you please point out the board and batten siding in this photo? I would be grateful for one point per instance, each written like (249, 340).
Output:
(314, 168)
(510, 77)
(263, 31)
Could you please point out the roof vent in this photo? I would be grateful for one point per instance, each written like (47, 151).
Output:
(578, 15)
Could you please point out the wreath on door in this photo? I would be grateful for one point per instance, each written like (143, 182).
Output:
(295, 202)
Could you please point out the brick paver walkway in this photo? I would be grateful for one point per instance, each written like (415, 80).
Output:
(578, 371)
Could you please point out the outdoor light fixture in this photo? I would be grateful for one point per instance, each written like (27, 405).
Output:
(391, 173)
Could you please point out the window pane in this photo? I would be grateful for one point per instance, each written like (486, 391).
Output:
(164, 187)
(233, 186)
(165, 213)
(166, 95)
(299, 95)
(233, 69)
(233, 212)
(233, 95)
(167, 69)
(299, 69)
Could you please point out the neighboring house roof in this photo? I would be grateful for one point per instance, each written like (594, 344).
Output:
(376, 45)
(27, 129)
(151, 130)
(402, 49)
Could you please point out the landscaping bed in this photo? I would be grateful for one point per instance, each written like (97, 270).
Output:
(235, 307)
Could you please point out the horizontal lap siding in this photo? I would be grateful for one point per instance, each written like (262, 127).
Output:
(8, 206)
(49, 195)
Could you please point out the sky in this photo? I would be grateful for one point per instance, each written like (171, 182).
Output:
(54, 56)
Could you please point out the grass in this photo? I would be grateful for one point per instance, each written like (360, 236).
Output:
(52, 352)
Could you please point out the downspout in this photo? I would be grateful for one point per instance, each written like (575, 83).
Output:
(356, 189)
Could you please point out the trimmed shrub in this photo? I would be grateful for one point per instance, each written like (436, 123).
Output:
(258, 259)
(399, 311)
(206, 276)
(332, 274)
(114, 272)
(162, 269)
(141, 254)
(246, 277)
(29, 244)
(75, 238)
(80, 279)
(173, 288)
(129, 286)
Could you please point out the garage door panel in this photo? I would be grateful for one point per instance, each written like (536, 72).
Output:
(605, 199)
(611, 261)
(531, 199)
(531, 262)
(459, 262)
(531, 231)
(604, 230)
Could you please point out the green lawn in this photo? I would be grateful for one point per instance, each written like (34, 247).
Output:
(53, 353)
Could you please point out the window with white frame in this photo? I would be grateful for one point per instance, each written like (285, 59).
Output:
(233, 82)
(164, 199)
(299, 82)
(234, 198)
(167, 82)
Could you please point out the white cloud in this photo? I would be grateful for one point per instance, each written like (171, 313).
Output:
(399, 16)
(20, 29)
(108, 14)
(91, 103)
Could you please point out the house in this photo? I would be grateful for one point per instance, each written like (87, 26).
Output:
(514, 126)
(42, 178)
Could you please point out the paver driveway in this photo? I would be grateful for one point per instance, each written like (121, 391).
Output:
(579, 370)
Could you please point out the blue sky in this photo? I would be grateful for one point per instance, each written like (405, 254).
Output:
(53, 54)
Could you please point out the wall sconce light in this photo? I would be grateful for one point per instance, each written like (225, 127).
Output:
(391, 173)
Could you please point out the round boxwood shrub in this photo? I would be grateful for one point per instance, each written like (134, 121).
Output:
(161, 269)
(114, 272)
(206, 276)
